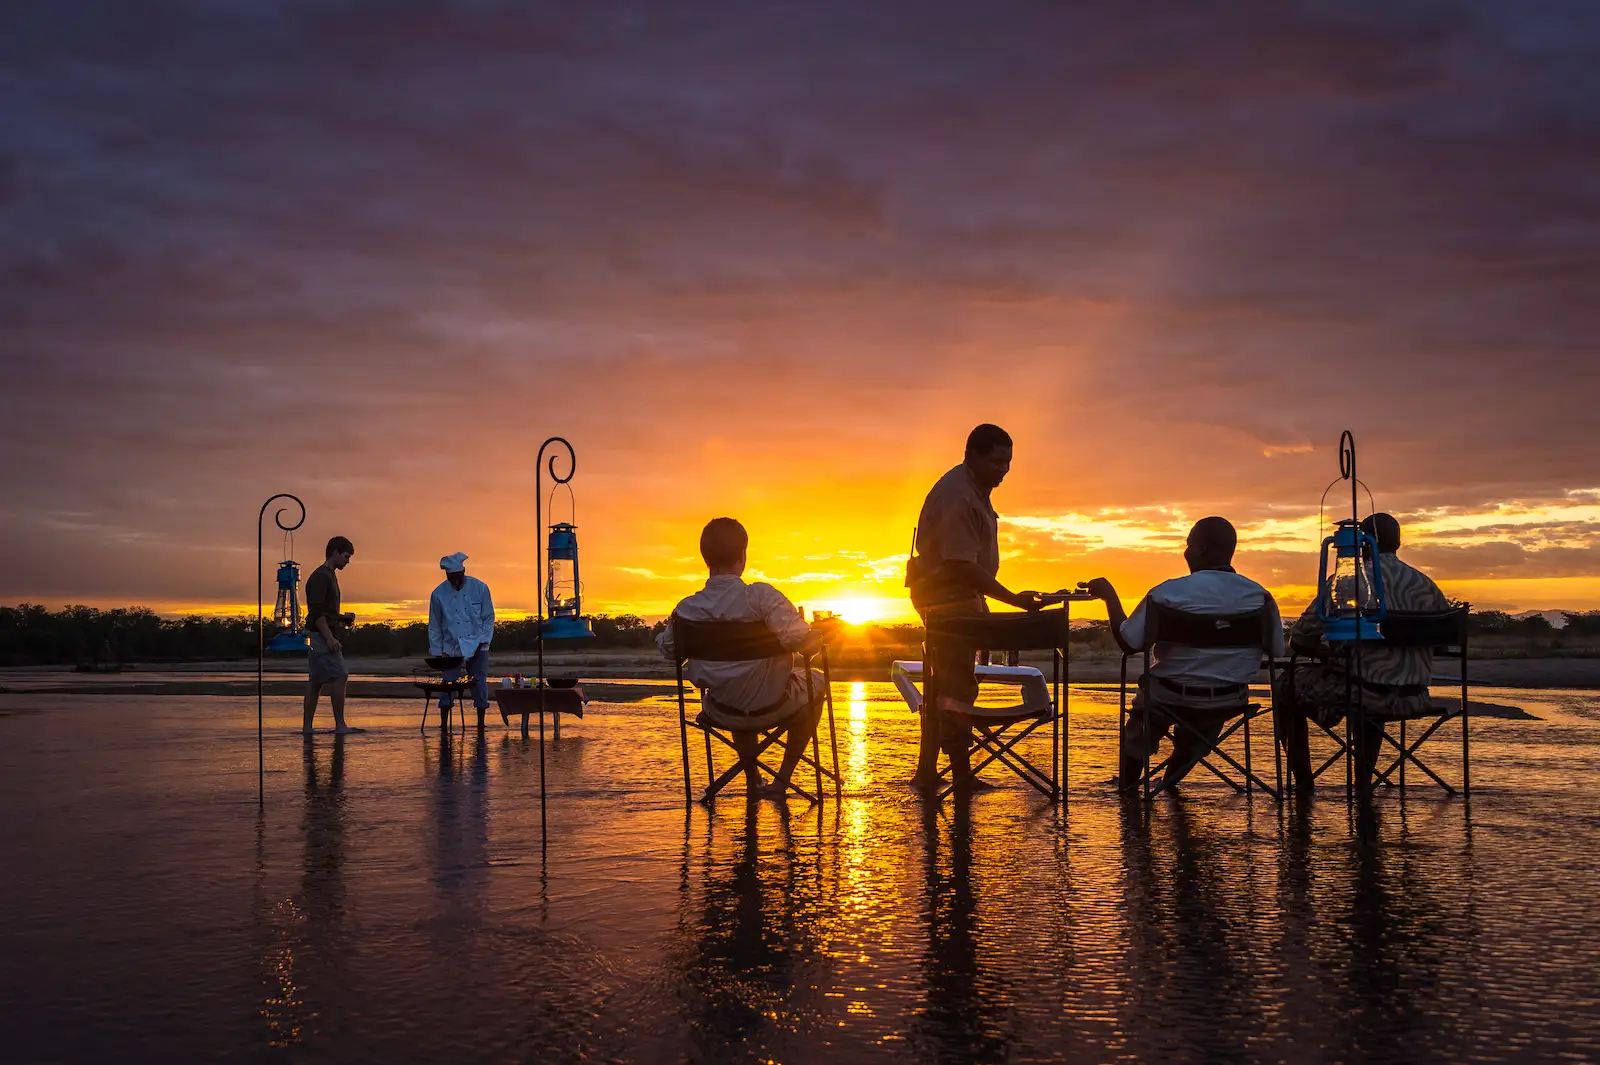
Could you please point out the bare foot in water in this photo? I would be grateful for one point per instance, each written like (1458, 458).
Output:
(776, 790)
(973, 785)
(345, 730)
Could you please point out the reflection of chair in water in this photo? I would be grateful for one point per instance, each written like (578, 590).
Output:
(1193, 953)
(1192, 734)
(755, 968)
(997, 731)
(748, 641)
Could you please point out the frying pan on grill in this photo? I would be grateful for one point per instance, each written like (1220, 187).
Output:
(444, 662)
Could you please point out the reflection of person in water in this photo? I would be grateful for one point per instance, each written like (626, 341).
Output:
(461, 831)
(1396, 943)
(1183, 961)
(322, 879)
(748, 956)
(315, 956)
(961, 1022)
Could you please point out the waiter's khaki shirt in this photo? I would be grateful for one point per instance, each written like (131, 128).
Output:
(957, 524)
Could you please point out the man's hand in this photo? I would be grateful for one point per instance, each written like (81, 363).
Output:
(1100, 588)
(334, 645)
(814, 640)
(1028, 600)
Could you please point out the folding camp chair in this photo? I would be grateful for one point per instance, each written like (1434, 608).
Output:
(996, 732)
(1445, 633)
(747, 641)
(1168, 625)
(1341, 744)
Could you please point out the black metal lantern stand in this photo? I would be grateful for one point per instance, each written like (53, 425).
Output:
(277, 519)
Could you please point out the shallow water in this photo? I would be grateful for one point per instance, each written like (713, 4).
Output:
(393, 900)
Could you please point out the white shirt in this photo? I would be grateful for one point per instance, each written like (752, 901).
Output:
(1207, 591)
(741, 685)
(459, 621)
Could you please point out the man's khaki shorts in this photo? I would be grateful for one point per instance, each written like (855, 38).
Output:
(323, 665)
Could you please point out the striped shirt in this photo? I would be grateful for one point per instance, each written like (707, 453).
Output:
(1407, 589)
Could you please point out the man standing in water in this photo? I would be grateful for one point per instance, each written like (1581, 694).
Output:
(461, 623)
(953, 572)
(325, 663)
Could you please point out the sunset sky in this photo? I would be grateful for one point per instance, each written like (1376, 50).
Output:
(774, 261)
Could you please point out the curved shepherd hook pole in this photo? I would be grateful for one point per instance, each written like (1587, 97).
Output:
(277, 519)
(1347, 469)
(1355, 715)
(538, 569)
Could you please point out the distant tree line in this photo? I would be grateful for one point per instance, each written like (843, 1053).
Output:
(1579, 624)
(31, 635)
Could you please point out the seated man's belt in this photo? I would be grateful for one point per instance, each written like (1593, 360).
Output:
(1203, 690)
(1394, 689)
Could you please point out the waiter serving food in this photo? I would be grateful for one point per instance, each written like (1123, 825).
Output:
(461, 624)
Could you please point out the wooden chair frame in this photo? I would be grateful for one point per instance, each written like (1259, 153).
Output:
(747, 641)
(1170, 625)
(1033, 631)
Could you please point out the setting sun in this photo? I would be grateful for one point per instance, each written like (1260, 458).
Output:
(859, 610)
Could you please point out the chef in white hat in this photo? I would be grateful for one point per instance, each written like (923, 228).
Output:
(461, 623)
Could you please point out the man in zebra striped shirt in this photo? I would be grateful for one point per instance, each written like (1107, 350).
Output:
(1394, 680)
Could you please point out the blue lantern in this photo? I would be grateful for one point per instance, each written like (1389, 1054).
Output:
(286, 612)
(1350, 599)
(563, 591)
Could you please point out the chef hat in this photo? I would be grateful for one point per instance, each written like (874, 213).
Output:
(453, 563)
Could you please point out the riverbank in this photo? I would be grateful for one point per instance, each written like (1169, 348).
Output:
(1086, 667)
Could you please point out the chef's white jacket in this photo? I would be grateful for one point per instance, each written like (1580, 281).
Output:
(459, 621)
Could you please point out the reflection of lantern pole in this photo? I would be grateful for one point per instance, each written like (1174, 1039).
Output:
(261, 629)
(538, 569)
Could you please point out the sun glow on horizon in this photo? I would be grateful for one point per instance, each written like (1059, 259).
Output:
(861, 610)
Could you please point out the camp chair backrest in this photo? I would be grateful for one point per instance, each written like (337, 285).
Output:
(724, 641)
(1034, 630)
(1167, 624)
(1408, 628)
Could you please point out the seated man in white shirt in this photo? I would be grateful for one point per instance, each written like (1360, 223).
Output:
(750, 697)
(1205, 686)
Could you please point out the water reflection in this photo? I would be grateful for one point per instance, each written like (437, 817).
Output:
(459, 844)
(965, 1016)
(754, 966)
(402, 912)
(304, 969)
